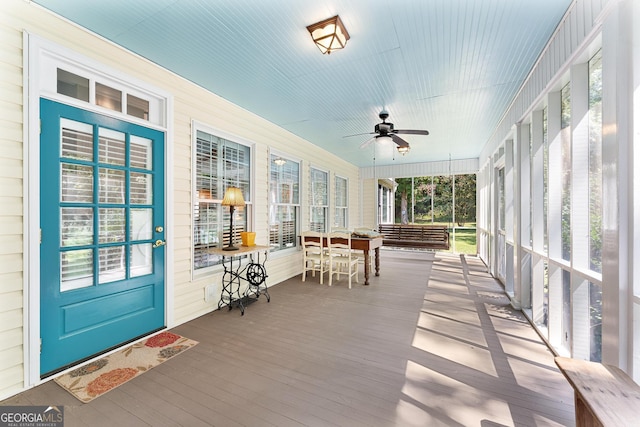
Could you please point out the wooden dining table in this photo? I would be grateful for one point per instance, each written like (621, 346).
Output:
(365, 244)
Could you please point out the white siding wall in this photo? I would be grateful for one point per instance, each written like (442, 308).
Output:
(459, 167)
(11, 208)
(369, 203)
(190, 102)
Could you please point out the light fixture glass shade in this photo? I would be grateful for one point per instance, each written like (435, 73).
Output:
(233, 197)
(329, 35)
(404, 149)
(280, 161)
(383, 139)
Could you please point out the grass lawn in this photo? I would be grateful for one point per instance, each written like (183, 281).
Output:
(465, 239)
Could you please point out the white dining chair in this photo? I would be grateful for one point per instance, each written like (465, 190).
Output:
(313, 254)
(342, 259)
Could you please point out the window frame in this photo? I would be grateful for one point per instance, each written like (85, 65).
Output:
(198, 198)
(314, 197)
(294, 206)
(338, 207)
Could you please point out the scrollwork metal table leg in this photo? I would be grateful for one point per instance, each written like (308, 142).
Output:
(230, 278)
(256, 275)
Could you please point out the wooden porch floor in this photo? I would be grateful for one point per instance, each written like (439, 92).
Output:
(431, 342)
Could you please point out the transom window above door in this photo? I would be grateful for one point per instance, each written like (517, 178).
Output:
(67, 77)
(101, 94)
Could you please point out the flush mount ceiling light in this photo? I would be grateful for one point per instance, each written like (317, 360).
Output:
(279, 161)
(329, 35)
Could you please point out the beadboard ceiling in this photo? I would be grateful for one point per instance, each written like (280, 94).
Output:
(449, 66)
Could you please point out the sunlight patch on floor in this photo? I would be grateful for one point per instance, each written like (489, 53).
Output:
(456, 350)
(448, 402)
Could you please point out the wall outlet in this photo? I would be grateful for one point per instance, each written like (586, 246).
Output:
(211, 292)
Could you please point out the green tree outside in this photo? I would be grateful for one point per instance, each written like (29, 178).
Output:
(432, 201)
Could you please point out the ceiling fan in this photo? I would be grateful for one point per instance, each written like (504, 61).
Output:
(387, 130)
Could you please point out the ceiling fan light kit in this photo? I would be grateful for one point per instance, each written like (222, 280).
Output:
(329, 35)
(404, 150)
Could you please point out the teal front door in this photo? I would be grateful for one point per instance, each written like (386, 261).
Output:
(102, 234)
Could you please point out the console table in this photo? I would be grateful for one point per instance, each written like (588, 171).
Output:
(253, 272)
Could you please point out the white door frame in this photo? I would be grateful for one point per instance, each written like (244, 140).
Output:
(38, 77)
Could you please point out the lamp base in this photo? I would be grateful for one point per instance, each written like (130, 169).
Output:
(230, 248)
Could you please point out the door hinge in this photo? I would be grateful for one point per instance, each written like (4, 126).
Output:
(40, 345)
(41, 236)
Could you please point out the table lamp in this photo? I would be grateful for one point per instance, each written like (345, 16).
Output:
(232, 198)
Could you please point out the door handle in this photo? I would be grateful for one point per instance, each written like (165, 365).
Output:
(159, 243)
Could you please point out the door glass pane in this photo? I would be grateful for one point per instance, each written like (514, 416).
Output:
(141, 193)
(108, 97)
(140, 261)
(111, 147)
(72, 85)
(137, 107)
(141, 226)
(77, 183)
(77, 140)
(112, 263)
(76, 226)
(112, 225)
(112, 186)
(76, 269)
(141, 150)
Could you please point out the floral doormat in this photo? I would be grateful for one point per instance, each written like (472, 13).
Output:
(98, 377)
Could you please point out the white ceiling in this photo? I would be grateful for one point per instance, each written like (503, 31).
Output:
(449, 66)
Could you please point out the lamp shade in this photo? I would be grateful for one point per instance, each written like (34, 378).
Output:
(329, 35)
(233, 197)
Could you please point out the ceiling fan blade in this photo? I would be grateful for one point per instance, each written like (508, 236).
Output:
(359, 134)
(399, 141)
(412, 132)
(367, 143)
